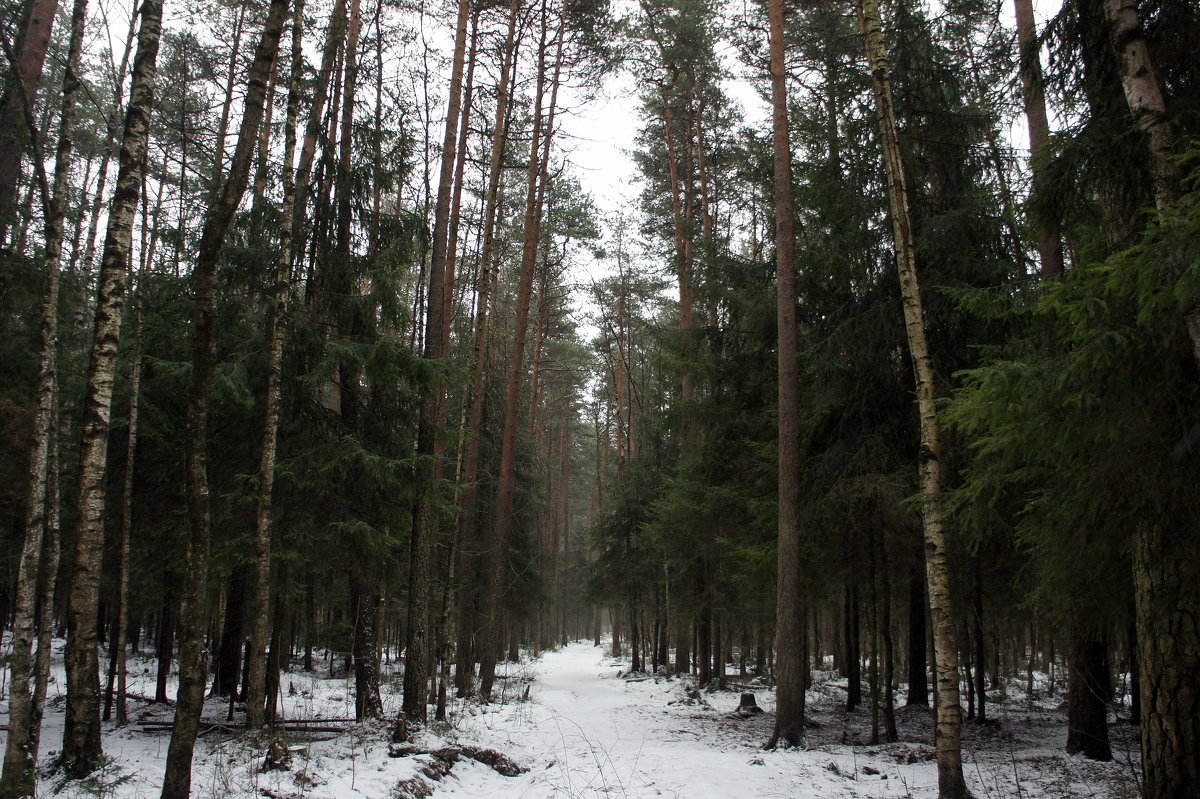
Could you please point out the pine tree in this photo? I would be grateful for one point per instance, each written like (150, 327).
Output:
(789, 620)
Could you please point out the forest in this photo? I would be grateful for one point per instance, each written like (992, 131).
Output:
(323, 352)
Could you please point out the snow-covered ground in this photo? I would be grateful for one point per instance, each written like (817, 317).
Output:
(590, 732)
(583, 728)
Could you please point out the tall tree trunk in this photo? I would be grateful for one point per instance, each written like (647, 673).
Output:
(343, 216)
(1088, 692)
(367, 704)
(1145, 98)
(20, 751)
(948, 730)
(1149, 110)
(680, 216)
(120, 639)
(1131, 654)
(228, 664)
(1166, 577)
(425, 516)
(48, 584)
(873, 672)
(263, 167)
(230, 80)
(789, 608)
(1167, 590)
(194, 610)
(109, 147)
(468, 515)
(853, 641)
(534, 197)
(81, 735)
(1050, 250)
(77, 229)
(918, 685)
(276, 655)
(703, 631)
(260, 604)
(980, 654)
(454, 218)
(334, 35)
(536, 429)
(889, 649)
(164, 644)
(440, 652)
(30, 57)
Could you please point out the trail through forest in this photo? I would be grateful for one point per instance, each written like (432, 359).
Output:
(582, 726)
(346, 397)
(590, 729)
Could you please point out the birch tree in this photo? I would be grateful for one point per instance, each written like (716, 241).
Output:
(81, 736)
(948, 729)
(20, 751)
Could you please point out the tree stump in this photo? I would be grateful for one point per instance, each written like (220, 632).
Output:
(278, 757)
(400, 731)
(748, 705)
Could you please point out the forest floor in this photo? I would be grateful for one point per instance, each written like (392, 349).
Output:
(581, 726)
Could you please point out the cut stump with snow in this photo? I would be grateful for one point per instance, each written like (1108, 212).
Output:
(748, 705)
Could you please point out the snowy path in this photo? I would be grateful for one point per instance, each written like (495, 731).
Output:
(589, 733)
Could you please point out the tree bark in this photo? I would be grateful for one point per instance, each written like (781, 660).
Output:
(367, 704)
(789, 608)
(48, 583)
(276, 656)
(1166, 577)
(425, 516)
(260, 604)
(120, 638)
(164, 644)
(21, 750)
(468, 515)
(948, 730)
(1050, 250)
(980, 655)
(263, 168)
(1088, 692)
(24, 720)
(1145, 99)
(227, 104)
(502, 531)
(81, 736)
(109, 147)
(30, 57)
(343, 216)
(1167, 591)
(194, 609)
(681, 217)
(853, 647)
(228, 664)
(334, 36)
(1149, 110)
(889, 650)
(918, 685)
